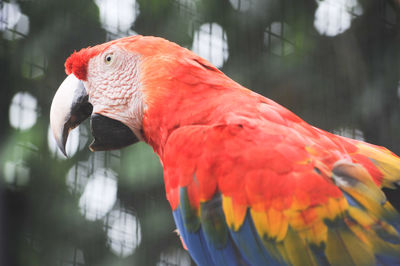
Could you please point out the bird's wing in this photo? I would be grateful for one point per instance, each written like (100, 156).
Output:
(263, 194)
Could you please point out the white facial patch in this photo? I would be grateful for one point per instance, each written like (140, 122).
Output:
(114, 88)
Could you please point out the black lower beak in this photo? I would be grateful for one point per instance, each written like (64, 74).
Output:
(110, 134)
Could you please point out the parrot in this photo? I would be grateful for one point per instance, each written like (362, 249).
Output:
(248, 181)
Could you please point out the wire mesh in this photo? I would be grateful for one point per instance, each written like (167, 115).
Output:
(107, 209)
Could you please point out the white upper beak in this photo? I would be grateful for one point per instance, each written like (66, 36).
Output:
(69, 108)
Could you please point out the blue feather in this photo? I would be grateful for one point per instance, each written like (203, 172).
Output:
(319, 254)
(387, 260)
(195, 242)
(216, 232)
(251, 246)
(351, 200)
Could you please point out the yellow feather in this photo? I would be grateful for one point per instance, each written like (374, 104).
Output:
(384, 160)
(374, 242)
(283, 230)
(344, 248)
(260, 221)
(275, 220)
(317, 234)
(234, 214)
(373, 207)
(297, 250)
(361, 217)
(361, 234)
(332, 209)
(270, 224)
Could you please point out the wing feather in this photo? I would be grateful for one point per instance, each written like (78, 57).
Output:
(255, 196)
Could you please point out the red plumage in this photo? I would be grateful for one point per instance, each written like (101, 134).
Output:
(303, 189)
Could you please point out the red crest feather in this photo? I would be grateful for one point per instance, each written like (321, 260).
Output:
(77, 62)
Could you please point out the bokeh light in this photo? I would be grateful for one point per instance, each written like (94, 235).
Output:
(99, 195)
(77, 177)
(210, 42)
(333, 17)
(124, 233)
(13, 23)
(175, 256)
(23, 111)
(16, 173)
(117, 17)
(347, 132)
(241, 5)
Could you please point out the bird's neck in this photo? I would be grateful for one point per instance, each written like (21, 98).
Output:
(196, 99)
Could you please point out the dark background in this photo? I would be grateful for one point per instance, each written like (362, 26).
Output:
(335, 63)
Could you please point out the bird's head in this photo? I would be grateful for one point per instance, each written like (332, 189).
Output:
(120, 83)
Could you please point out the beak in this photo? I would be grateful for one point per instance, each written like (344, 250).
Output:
(71, 106)
(109, 134)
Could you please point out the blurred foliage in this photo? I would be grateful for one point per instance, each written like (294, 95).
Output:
(348, 81)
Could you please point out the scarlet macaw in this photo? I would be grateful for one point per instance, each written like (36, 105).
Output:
(249, 182)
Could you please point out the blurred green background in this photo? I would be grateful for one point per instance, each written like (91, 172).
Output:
(335, 63)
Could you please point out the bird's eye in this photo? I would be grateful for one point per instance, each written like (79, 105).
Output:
(108, 58)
